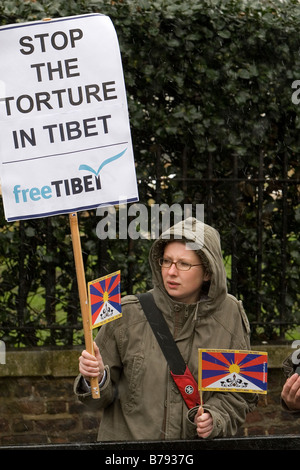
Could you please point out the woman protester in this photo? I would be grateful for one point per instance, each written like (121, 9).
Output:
(138, 395)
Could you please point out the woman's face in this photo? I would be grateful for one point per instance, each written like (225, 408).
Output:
(183, 286)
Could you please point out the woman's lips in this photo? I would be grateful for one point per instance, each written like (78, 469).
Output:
(172, 284)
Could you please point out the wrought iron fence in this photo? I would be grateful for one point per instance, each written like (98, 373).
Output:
(40, 305)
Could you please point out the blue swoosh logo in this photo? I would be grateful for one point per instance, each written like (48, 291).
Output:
(108, 160)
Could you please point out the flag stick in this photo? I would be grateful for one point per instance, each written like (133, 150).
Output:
(201, 398)
(200, 378)
(88, 336)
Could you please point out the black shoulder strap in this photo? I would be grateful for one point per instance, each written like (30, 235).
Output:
(162, 333)
(178, 368)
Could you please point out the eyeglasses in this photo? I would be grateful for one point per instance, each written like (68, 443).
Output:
(180, 265)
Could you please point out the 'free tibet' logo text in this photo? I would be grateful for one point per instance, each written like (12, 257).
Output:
(64, 187)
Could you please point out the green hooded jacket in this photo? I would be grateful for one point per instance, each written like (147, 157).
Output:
(139, 398)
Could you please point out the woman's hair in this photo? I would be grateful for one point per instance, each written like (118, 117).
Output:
(205, 262)
(207, 270)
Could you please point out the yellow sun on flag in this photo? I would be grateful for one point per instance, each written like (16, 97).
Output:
(234, 368)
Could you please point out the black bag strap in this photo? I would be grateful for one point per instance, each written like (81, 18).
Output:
(179, 370)
(162, 333)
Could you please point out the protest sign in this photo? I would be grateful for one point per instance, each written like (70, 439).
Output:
(65, 141)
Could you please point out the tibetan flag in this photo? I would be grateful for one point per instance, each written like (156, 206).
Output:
(227, 370)
(105, 299)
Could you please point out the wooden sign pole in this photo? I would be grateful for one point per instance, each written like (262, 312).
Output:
(83, 296)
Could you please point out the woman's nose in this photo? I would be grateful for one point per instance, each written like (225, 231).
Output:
(173, 269)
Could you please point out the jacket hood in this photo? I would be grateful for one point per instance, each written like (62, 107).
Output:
(201, 238)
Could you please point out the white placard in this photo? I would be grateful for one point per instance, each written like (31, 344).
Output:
(65, 142)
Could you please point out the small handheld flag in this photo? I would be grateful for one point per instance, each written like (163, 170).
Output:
(105, 299)
(228, 370)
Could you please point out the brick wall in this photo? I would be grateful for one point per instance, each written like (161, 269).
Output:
(37, 404)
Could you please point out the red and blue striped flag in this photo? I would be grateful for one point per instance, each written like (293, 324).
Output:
(230, 370)
(105, 299)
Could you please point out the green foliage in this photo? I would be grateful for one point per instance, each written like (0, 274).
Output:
(209, 89)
